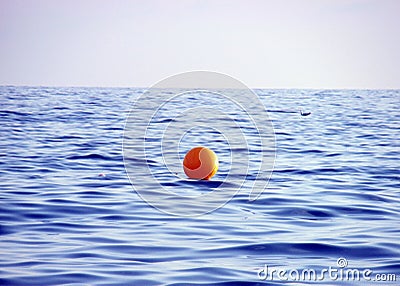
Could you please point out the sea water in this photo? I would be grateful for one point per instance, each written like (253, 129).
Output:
(69, 214)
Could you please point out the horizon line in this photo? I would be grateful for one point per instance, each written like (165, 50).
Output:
(255, 88)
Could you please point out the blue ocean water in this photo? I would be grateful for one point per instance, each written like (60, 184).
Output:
(69, 215)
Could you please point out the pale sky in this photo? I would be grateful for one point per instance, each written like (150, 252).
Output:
(264, 44)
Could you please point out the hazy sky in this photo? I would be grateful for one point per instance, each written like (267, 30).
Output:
(290, 44)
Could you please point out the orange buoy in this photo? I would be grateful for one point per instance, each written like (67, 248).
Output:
(200, 163)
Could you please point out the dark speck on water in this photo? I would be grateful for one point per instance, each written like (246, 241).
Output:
(69, 215)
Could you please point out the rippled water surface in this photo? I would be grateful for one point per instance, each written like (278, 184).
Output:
(69, 214)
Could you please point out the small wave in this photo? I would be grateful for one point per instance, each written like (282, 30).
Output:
(281, 111)
(166, 120)
(18, 113)
(91, 157)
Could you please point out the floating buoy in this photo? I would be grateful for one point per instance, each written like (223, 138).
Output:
(200, 163)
